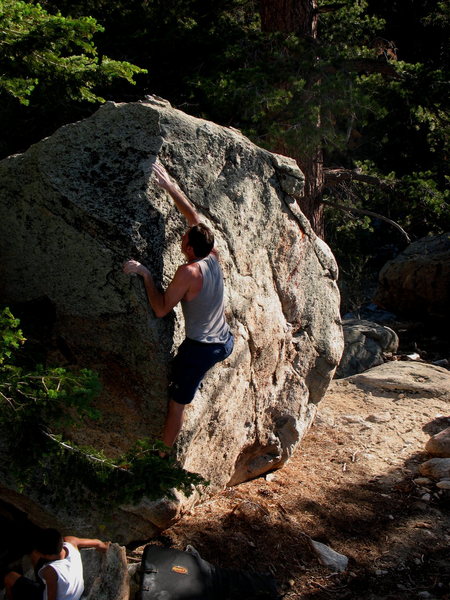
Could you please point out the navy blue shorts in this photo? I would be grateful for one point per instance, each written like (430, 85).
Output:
(191, 364)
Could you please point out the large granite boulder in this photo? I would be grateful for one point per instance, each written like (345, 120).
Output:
(365, 345)
(416, 283)
(76, 205)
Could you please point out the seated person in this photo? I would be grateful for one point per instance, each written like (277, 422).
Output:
(58, 567)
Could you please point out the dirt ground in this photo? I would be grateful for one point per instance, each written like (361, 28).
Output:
(350, 485)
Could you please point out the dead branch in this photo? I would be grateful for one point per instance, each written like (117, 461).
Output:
(370, 65)
(369, 213)
(340, 175)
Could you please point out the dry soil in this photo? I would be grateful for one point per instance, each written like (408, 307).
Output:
(351, 485)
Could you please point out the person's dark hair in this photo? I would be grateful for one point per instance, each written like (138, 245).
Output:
(201, 238)
(48, 541)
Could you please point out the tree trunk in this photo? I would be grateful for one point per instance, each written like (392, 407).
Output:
(290, 16)
(300, 17)
(311, 203)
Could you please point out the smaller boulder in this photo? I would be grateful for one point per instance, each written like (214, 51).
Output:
(416, 283)
(105, 575)
(439, 444)
(407, 377)
(365, 344)
(436, 468)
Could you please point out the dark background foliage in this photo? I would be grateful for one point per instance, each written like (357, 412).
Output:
(368, 92)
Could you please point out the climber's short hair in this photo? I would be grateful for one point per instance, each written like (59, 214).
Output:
(201, 238)
(48, 541)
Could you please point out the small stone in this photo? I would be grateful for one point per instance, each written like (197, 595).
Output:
(379, 418)
(329, 557)
(426, 497)
(381, 572)
(439, 444)
(422, 481)
(444, 484)
(352, 419)
(270, 477)
(425, 594)
(436, 468)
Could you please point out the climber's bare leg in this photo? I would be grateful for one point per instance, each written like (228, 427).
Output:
(174, 422)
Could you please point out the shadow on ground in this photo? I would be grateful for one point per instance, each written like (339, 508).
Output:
(397, 545)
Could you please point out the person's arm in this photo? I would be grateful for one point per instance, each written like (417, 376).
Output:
(162, 302)
(50, 577)
(87, 543)
(181, 201)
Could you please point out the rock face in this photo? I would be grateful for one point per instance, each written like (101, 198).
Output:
(364, 346)
(106, 575)
(417, 283)
(79, 203)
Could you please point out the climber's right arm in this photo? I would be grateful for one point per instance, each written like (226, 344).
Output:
(181, 201)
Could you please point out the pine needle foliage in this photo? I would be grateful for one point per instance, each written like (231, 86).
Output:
(36, 403)
(53, 55)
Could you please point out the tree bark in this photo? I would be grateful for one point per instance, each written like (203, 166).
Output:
(311, 203)
(289, 16)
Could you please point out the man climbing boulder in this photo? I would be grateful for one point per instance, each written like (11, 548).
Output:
(198, 286)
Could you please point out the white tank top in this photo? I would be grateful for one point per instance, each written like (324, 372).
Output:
(204, 316)
(70, 574)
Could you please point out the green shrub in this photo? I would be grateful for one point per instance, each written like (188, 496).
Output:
(36, 403)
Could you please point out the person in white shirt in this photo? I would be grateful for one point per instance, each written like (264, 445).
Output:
(57, 563)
